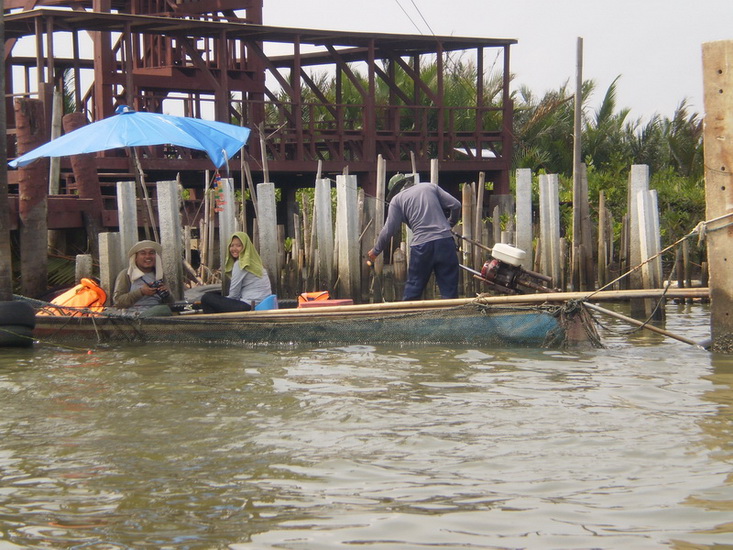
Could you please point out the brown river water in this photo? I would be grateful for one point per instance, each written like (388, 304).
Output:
(195, 447)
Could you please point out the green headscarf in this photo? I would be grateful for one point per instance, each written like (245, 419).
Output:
(249, 259)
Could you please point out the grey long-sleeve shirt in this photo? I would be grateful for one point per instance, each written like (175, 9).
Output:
(422, 208)
(248, 287)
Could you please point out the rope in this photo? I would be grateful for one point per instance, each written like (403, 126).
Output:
(700, 229)
(114, 320)
(82, 311)
(40, 341)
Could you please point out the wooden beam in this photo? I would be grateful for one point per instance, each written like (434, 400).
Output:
(718, 133)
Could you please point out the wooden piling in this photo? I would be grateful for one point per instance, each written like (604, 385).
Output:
(56, 237)
(171, 235)
(32, 194)
(267, 226)
(6, 271)
(478, 213)
(83, 268)
(378, 283)
(550, 226)
(347, 235)
(126, 217)
(324, 233)
(467, 232)
(86, 179)
(227, 218)
(638, 182)
(367, 236)
(604, 239)
(649, 246)
(57, 112)
(718, 136)
(110, 261)
(524, 214)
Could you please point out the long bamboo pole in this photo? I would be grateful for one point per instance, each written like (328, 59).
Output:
(638, 323)
(519, 299)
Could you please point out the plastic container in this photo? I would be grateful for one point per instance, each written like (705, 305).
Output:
(508, 254)
(270, 302)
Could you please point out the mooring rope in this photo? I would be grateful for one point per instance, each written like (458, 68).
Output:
(701, 229)
(114, 318)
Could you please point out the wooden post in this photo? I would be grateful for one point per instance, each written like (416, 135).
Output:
(87, 182)
(496, 225)
(638, 182)
(56, 237)
(603, 238)
(624, 253)
(32, 203)
(54, 170)
(227, 218)
(170, 235)
(205, 225)
(84, 267)
(308, 222)
(478, 213)
(718, 133)
(399, 265)
(324, 233)
(6, 272)
(378, 295)
(577, 258)
(281, 232)
(686, 263)
(587, 269)
(347, 235)
(267, 229)
(649, 244)
(127, 217)
(524, 214)
(140, 177)
(367, 236)
(467, 226)
(110, 261)
(550, 226)
(250, 185)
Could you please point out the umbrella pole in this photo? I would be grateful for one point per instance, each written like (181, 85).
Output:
(263, 153)
(148, 203)
(250, 185)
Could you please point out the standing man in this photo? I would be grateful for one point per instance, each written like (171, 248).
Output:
(423, 208)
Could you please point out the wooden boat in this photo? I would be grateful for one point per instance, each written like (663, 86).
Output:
(535, 320)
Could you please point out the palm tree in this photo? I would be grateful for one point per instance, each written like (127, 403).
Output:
(684, 135)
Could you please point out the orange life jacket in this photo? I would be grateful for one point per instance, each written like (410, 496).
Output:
(86, 295)
(313, 296)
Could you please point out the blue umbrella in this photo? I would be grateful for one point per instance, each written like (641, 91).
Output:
(130, 128)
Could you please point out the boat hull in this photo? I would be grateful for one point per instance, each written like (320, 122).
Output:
(464, 325)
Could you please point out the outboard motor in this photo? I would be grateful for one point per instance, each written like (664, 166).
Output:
(505, 274)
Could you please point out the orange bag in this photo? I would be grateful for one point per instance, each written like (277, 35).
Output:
(86, 295)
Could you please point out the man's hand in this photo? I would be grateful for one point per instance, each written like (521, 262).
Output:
(372, 255)
(147, 290)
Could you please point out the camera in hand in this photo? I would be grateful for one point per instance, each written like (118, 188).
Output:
(162, 294)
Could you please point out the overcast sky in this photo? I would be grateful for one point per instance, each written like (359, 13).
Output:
(654, 45)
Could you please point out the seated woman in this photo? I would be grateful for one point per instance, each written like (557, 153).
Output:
(245, 282)
(141, 288)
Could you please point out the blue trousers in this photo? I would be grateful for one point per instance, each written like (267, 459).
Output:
(437, 257)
